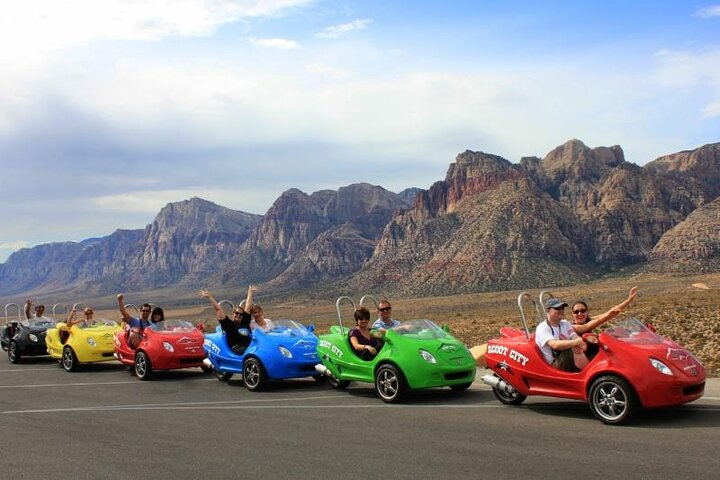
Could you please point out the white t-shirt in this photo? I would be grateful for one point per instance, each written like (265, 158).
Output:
(269, 325)
(545, 332)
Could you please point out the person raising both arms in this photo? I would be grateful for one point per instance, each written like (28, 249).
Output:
(237, 342)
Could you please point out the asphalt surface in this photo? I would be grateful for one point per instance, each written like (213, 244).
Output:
(103, 423)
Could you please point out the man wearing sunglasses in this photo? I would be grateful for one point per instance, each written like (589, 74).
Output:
(385, 320)
(237, 341)
(136, 325)
(560, 345)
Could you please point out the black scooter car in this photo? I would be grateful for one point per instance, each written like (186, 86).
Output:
(22, 337)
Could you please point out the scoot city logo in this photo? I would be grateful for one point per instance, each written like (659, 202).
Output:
(507, 352)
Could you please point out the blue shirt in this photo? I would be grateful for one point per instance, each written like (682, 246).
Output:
(380, 324)
(138, 323)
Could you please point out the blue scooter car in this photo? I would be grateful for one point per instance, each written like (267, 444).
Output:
(287, 351)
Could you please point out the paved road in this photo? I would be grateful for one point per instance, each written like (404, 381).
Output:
(103, 423)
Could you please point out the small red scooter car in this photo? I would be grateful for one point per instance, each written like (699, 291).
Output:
(166, 345)
(634, 367)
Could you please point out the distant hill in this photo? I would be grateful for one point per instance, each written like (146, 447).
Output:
(571, 216)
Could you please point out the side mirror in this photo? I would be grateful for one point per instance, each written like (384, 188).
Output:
(201, 327)
(311, 328)
(446, 328)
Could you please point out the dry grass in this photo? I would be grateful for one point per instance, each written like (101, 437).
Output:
(688, 314)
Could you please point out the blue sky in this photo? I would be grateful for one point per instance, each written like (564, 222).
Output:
(111, 109)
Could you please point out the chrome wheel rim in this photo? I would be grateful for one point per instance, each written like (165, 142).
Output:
(140, 366)
(387, 384)
(610, 401)
(67, 359)
(252, 374)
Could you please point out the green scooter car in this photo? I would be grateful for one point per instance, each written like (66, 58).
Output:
(417, 354)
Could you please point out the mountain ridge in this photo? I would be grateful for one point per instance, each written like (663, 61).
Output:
(575, 214)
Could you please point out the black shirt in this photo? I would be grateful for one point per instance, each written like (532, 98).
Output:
(231, 328)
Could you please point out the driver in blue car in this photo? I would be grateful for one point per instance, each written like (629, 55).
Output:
(560, 345)
(237, 341)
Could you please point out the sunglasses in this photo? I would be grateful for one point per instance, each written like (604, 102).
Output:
(578, 312)
(237, 313)
(559, 309)
(384, 309)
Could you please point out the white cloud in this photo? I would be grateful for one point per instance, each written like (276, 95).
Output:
(16, 245)
(39, 27)
(149, 203)
(279, 43)
(707, 12)
(338, 30)
(328, 71)
(711, 110)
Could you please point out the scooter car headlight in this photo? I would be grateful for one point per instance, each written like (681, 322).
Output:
(167, 346)
(285, 352)
(91, 342)
(427, 356)
(33, 337)
(660, 367)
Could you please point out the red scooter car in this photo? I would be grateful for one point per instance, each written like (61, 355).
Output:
(166, 345)
(634, 367)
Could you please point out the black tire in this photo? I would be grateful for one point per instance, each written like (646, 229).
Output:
(390, 383)
(69, 360)
(513, 398)
(460, 387)
(14, 354)
(223, 376)
(206, 369)
(143, 366)
(254, 374)
(337, 384)
(319, 378)
(612, 400)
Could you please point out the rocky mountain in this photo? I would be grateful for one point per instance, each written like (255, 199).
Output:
(697, 171)
(188, 240)
(691, 247)
(491, 224)
(570, 216)
(304, 239)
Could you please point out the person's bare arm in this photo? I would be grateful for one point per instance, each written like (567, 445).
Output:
(249, 300)
(609, 315)
(121, 305)
(566, 344)
(219, 312)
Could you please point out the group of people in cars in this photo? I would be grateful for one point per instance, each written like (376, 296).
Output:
(565, 345)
